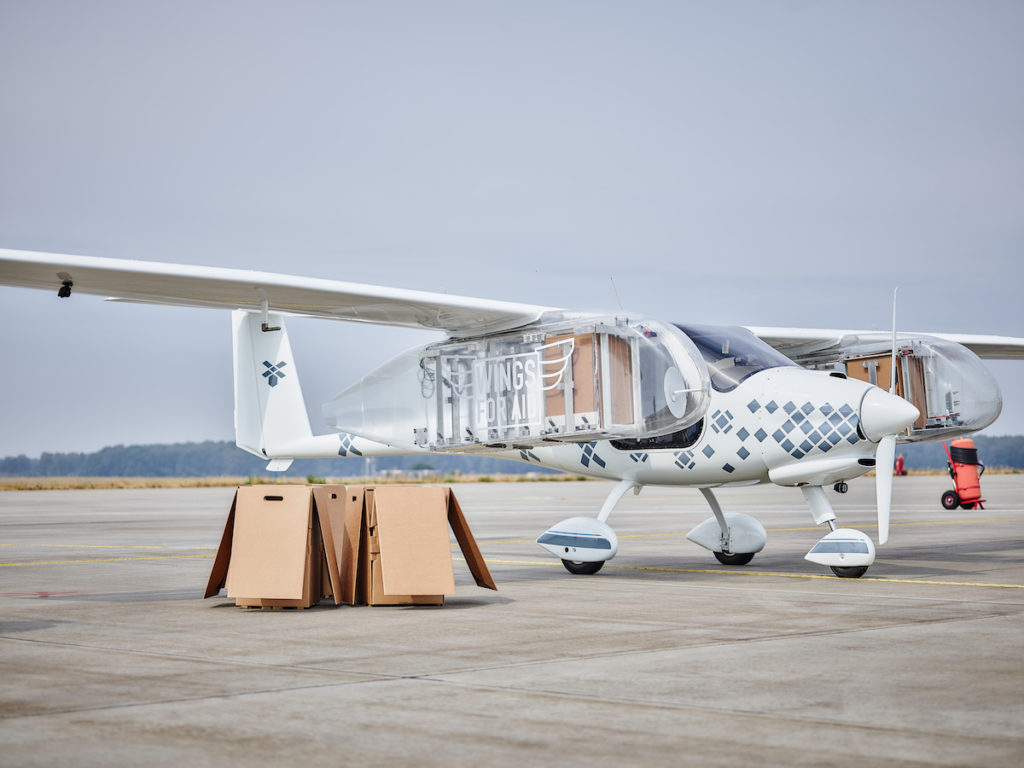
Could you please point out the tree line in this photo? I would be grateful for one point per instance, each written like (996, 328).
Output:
(220, 458)
(223, 458)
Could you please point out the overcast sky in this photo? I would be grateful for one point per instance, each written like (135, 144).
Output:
(766, 163)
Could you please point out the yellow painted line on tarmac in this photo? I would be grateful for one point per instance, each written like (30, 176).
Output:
(105, 560)
(818, 576)
(904, 525)
(510, 541)
(102, 546)
(968, 521)
(770, 574)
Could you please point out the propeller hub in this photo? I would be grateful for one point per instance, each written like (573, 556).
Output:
(884, 414)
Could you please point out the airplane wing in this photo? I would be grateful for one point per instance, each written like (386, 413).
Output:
(152, 282)
(197, 286)
(823, 345)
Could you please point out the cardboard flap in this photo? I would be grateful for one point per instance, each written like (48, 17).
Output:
(475, 560)
(329, 501)
(348, 520)
(219, 572)
(271, 534)
(415, 549)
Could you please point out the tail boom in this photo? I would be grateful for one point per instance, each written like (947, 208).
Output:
(270, 411)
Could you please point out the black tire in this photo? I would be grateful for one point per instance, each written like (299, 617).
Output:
(950, 500)
(968, 505)
(849, 571)
(741, 558)
(582, 569)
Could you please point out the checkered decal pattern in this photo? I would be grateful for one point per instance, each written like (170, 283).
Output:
(529, 456)
(808, 427)
(346, 446)
(590, 455)
(684, 460)
(638, 458)
(721, 422)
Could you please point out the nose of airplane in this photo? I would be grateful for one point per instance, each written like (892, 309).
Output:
(883, 414)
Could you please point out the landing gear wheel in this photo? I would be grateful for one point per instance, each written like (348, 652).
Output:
(741, 558)
(840, 487)
(950, 500)
(582, 569)
(849, 571)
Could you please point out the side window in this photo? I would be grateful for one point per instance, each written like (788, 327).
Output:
(676, 440)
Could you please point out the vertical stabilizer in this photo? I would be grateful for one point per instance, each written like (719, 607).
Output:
(270, 413)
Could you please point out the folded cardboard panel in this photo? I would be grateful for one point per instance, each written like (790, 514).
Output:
(329, 512)
(409, 529)
(395, 548)
(278, 548)
(470, 550)
(377, 595)
(349, 545)
(269, 556)
(290, 546)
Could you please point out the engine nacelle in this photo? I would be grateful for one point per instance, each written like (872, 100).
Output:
(570, 381)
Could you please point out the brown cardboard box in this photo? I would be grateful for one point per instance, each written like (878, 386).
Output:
(278, 548)
(861, 368)
(395, 548)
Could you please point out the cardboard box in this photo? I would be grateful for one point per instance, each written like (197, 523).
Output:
(289, 546)
(395, 548)
(278, 549)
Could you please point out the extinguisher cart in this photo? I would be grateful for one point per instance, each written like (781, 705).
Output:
(966, 472)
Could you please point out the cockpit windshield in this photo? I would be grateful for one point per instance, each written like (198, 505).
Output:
(732, 353)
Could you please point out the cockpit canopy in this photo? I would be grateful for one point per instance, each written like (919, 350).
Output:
(732, 353)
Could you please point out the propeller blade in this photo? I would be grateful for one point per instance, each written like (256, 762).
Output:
(884, 458)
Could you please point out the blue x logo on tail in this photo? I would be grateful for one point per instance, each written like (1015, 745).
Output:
(273, 372)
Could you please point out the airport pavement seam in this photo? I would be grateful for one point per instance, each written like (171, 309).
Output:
(773, 715)
(544, 692)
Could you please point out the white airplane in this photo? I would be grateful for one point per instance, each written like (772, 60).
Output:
(619, 396)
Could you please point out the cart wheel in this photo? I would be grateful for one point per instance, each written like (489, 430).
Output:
(950, 500)
(968, 505)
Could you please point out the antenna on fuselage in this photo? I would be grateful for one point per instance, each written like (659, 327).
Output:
(617, 297)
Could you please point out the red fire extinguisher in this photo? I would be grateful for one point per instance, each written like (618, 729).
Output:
(966, 472)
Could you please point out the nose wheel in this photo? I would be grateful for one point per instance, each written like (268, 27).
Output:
(849, 572)
(739, 558)
(582, 569)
